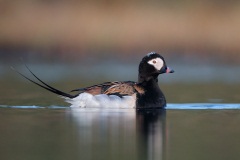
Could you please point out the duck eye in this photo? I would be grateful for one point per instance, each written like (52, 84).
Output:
(154, 61)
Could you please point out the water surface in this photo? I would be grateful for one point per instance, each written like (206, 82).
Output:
(57, 132)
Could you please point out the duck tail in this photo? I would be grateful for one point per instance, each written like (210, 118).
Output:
(43, 84)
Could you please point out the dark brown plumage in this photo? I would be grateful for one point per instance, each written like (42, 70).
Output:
(125, 88)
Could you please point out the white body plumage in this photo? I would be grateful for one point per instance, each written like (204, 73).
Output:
(102, 101)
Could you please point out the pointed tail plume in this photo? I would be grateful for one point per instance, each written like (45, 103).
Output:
(43, 84)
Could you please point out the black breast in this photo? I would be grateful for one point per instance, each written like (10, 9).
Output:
(152, 97)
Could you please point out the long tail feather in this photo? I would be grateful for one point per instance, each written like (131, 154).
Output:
(44, 85)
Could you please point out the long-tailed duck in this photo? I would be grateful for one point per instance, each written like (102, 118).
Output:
(126, 94)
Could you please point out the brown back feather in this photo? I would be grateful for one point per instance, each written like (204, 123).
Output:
(122, 89)
(126, 88)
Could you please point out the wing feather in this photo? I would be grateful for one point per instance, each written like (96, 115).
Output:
(111, 88)
(123, 89)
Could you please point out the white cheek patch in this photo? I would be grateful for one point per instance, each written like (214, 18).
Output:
(157, 63)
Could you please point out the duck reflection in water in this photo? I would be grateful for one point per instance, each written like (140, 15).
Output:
(111, 133)
(151, 129)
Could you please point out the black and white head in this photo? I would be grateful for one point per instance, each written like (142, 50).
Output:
(151, 66)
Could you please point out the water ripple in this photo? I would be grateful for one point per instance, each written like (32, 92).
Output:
(170, 106)
(203, 106)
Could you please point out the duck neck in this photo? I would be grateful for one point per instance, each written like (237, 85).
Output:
(151, 84)
(147, 79)
(153, 96)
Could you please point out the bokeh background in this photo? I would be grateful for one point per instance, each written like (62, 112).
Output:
(71, 44)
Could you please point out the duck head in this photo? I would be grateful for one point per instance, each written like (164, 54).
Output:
(151, 66)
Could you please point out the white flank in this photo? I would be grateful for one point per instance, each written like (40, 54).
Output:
(87, 100)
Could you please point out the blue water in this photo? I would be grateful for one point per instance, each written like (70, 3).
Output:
(169, 106)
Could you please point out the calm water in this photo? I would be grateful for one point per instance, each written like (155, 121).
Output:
(201, 121)
(56, 132)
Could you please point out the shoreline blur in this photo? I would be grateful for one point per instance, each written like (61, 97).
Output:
(70, 30)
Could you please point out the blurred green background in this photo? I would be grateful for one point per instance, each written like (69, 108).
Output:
(71, 44)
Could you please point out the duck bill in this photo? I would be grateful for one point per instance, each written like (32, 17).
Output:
(169, 70)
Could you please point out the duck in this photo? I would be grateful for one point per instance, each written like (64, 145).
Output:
(145, 93)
